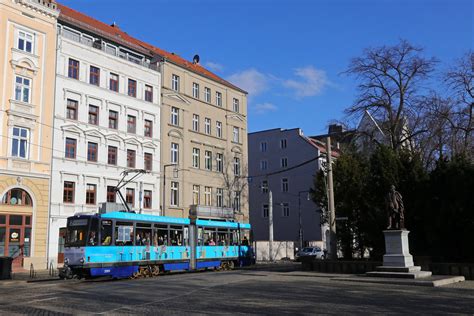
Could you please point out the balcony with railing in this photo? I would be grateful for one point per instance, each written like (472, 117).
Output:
(108, 48)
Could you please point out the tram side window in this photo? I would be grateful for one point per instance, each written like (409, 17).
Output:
(234, 237)
(222, 237)
(124, 234)
(176, 235)
(161, 235)
(186, 236)
(143, 234)
(200, 236)
(209, 236)
(106, 232)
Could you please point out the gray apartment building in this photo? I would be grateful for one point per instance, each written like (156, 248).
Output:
(284, 161)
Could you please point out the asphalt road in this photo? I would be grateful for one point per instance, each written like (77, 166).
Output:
(231, 292)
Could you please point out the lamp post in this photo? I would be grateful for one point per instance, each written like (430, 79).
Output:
(300, 231)
(163, 213)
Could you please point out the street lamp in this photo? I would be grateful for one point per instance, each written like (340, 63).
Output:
(163, 213)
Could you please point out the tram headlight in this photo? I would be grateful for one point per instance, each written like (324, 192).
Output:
(81, 260)
(66, 261)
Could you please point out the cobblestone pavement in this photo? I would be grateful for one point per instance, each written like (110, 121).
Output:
(232, 292)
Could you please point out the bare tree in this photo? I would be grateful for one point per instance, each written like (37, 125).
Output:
(389, 82)
(234, 180)
(460, 79)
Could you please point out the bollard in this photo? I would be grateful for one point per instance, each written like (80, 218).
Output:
(32, 271)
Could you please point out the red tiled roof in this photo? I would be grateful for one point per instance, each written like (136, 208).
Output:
(116, 34)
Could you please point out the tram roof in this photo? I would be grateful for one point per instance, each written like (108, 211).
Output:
(172, 220)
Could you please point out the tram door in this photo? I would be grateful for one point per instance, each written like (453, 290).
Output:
(61, 242)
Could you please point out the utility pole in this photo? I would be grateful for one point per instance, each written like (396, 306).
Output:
(332, 211)
(270, 225)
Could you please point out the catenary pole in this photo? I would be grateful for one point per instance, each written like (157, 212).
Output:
(332, 211)
(270, 225)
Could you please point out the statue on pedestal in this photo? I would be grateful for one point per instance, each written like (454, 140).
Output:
(395, 208)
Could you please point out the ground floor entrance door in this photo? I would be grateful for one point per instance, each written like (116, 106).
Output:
(15, 237)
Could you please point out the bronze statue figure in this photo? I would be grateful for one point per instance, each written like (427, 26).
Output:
(396, 217)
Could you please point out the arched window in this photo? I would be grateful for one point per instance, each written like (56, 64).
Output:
(17, 197)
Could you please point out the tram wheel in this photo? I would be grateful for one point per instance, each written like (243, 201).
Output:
(155, 270)
(231, 265)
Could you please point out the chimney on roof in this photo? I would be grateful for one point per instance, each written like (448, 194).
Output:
(196, 59)
(335, 129)
(114, 25)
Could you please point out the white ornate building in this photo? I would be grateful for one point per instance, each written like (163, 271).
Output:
(106, 120)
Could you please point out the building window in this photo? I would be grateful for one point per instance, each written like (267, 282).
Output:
(148, 128)
(148, 161)
(195, 90)
(207, 94)
(175, 82)
(93, 115)
(219, 129)
(285, 207)
(68, 192)
(265, 210)
(147, 199)
(20, 142)
(132, 88)
(94, 76)
(236, 202)
(22, 89)
(264, 186)
(15, 197)
(235, 105)
(263, 165)
(114, 82)
(111, 194)
(236, 134)
(207, 126)
(218, 98)
(92, 151)
(70, 152)
(195, 122)
(90, 193)
(174, 153)
(131, 124)
(130, 196)
(174, 193)
(131, 155)
(113, 119)
(73, 70)
(284, 162)
(219, 162)
(196, 157)
(71, 109)
(219, 197)
(148, 93)
(236, 166)
(112, 155)
(174, 116)
(207, 196)
(284, 185)
(196, 194)
(263, 147)
(282, 143)
(25, 41)
(208, 160)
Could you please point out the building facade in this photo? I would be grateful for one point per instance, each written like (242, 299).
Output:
(204, 148)
(27, 62)
(284, 162)
(106, 120)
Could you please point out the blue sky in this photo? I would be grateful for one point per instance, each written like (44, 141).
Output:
(289, 55)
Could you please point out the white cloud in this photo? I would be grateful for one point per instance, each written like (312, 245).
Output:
(263, 108)
(310, 82)
(251, 80)
(214, 66)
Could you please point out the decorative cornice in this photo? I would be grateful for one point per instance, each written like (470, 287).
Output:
(46, 7)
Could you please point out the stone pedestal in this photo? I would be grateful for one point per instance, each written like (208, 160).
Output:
(397, 261)
(397, 252)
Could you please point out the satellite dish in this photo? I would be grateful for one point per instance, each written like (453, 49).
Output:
(196, 59)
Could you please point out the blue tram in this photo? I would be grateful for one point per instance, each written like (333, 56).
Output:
(126, 244)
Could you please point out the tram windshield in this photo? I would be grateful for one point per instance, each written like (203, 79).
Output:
(76, 235)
